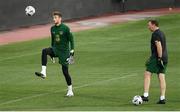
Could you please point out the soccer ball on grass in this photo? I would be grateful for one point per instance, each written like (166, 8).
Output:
(137, 100)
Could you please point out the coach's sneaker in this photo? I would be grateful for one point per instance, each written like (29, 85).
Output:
(161, 102)
(145, 99)
(39, 74)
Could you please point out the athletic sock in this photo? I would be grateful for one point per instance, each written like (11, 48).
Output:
(70, 88)
(162, 97)
(146, 94)
(43, 71)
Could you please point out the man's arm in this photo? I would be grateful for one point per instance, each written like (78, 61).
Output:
(159, 48)
(52, 41)
(52, 44)
(71, 40)
(159, 52)
(70, 60)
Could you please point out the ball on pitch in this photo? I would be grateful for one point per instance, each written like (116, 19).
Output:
(137, 100)
(30, 10)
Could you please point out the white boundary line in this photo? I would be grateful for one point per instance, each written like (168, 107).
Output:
(82, 86)
(19, 56)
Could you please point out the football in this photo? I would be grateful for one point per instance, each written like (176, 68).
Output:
(30, 10)
(137, 100)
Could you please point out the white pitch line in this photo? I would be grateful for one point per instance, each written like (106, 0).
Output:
(20, 56)
(82, 86)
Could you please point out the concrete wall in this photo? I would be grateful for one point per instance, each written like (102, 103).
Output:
(148, 4)
(12, 12)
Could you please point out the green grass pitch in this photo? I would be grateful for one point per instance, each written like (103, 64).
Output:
(108, 71)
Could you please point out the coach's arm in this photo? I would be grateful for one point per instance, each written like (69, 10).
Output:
(159, 48)
(159, 52)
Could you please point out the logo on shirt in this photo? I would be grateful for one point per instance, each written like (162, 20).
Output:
(57, 38)
(61, 32)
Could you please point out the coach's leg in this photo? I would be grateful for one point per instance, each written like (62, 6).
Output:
(162, 83)
(147, 81)
(68, 80)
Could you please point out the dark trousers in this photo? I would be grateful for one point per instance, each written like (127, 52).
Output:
(49, 51)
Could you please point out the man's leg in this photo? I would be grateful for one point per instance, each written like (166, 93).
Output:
(147, 81)
(162, 83)
(68, 80)
(45, 52)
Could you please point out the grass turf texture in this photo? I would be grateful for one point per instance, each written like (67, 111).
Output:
(108, 71)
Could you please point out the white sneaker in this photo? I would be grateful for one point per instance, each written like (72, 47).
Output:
(70, 93)
(44, 74)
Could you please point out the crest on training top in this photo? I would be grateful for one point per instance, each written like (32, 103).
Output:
(61, 32)
(57, 38)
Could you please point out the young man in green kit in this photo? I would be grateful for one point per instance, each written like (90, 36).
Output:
(62, 46)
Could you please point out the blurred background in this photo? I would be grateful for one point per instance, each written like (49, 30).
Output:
(12, 14)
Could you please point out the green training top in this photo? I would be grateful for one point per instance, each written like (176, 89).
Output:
(62, 38)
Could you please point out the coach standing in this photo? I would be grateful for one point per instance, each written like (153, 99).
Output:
(157, 63)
